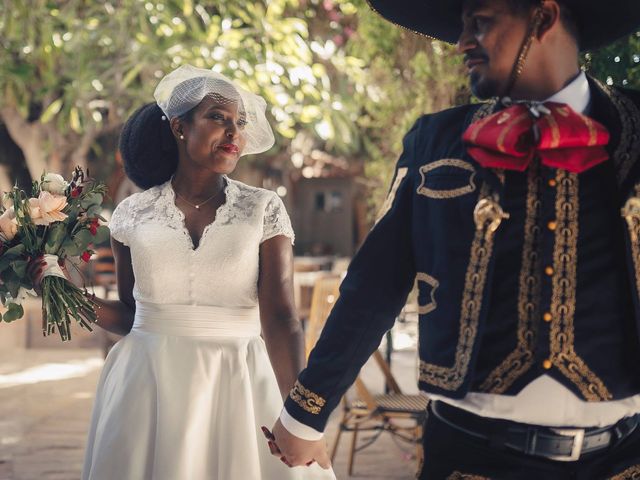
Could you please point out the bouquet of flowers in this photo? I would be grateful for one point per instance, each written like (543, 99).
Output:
(38, 233)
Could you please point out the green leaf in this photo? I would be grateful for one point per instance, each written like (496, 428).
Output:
(91, 199)
(14, 252)
(20, 267)
(83, 238)
(94, 211)
(70, 248)
(51, 111)
(13, 313)
(55, 238)
(102, 235)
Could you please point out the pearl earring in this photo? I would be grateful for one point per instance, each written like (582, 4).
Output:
(181, 137)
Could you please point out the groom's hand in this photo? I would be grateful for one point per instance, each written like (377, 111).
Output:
(296, 451)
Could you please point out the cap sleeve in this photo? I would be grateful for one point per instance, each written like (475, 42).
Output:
(276, 220)
(121, 221)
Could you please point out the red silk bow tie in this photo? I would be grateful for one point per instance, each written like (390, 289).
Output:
(561, 137)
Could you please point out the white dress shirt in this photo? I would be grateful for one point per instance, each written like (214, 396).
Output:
(545, 401)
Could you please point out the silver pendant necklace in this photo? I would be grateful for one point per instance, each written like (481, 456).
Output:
(198, 205)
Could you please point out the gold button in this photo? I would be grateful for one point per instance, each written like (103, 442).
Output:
(547, 317)
(552, 225)
(548, 271)
(547, 364)
(552, 182)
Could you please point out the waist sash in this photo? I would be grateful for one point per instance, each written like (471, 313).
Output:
(196, 320)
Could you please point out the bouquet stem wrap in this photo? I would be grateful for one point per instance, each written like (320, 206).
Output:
(62, 301)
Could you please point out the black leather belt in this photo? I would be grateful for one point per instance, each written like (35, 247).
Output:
(563, 444)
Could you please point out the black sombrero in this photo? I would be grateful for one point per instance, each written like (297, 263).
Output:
(600, 22)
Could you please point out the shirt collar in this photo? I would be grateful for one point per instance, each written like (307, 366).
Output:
(577, 94)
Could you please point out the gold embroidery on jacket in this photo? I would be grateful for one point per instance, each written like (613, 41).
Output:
(388, 203)
(482, 113)
(308, 401)
(452, 193)
(631, 473)
(631, 213)
(521, 359)
(434, 284)
(563, 293)
(628, 147)
(450, 378)
(465, 476)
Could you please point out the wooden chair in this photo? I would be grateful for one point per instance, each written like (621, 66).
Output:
(324, 296)
(400, 414)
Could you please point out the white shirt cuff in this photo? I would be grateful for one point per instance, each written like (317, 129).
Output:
(299, 429)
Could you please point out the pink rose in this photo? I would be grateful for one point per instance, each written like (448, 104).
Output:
(47, 208)
(8, 225)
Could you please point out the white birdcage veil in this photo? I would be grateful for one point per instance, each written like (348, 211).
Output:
(184, 88)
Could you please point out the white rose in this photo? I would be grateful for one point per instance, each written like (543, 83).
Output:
(54, 183)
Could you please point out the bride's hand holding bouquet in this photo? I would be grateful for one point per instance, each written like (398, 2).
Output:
(38, 232)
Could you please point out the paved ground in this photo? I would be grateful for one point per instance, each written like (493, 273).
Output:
(45, 403)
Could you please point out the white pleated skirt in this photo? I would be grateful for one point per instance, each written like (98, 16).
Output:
(183, 396)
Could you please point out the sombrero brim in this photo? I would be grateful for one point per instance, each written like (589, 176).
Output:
(599, 22)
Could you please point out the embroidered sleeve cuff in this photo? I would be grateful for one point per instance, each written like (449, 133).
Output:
(307, 400)
(299, 429)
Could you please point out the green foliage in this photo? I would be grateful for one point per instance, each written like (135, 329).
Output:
(85, 66)
(618, 63)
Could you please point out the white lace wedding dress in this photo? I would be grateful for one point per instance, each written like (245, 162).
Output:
(183, 396)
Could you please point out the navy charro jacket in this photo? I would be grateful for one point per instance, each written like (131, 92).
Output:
(438, 228)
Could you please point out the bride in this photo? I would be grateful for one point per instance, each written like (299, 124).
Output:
(204, 268)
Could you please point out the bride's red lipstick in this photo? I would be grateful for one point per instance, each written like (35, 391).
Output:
(229, 148)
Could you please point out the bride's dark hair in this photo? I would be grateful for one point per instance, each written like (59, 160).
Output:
(148, 147)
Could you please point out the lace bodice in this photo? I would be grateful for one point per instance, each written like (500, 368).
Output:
(223, 270)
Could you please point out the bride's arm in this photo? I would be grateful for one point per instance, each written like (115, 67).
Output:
(116, 316)
(280, 325)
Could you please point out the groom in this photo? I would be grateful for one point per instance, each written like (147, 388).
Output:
(520, 223)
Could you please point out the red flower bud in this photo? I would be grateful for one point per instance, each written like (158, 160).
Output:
(93, 229)
(86, 256)
(75, 193)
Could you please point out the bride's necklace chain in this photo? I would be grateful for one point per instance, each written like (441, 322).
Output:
(198, 205)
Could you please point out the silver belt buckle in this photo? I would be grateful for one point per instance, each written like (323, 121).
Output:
(578, 442)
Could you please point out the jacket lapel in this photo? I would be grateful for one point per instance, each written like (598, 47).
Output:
(622, 117)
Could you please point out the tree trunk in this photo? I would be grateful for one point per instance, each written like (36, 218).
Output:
(29, 137)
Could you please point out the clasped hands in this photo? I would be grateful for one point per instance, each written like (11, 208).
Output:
(294, 451)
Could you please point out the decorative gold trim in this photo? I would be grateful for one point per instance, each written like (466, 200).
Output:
(483, 112)
(465, 476)
(631, 473)
(631, 213)
(628, 149)
(593, 133)
(388, 203)
(555, 131)
(306, 399)
(563, 293)
(522, 358)
(434, 284)
(443, 194)
(508, 128)
(450, 378)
